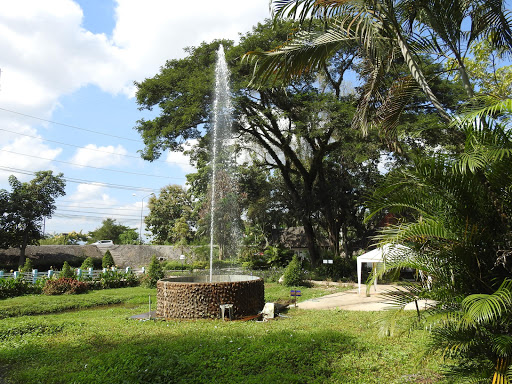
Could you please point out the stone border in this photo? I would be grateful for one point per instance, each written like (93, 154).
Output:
(191, 297)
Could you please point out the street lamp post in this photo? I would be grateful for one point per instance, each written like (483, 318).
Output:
(141, 209)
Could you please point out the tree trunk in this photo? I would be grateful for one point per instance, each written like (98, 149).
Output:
(314, 255)
(344, 236)
(23, 248)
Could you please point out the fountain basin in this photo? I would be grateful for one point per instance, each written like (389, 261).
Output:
(195, 297)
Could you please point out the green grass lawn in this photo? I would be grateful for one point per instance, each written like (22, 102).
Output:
(102, 345)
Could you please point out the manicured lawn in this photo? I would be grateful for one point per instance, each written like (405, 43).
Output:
(102, 345)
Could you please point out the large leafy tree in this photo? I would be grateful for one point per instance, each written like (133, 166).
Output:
(171, 217)
(23, 210)
(110, 230)
(294, 129)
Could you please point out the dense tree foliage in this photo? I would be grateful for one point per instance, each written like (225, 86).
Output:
(290, 131)
(111, 230)
(170, 217)
(23, 210)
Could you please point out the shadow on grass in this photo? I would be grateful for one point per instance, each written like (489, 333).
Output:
(250, 355)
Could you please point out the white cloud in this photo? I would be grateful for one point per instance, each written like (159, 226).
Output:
(92, 155)
(182, 160)
(26, 153)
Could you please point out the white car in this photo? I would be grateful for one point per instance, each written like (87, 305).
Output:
(103, 243)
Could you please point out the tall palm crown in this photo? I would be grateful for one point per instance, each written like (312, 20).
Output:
(384, 31)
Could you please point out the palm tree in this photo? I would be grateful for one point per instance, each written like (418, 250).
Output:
(456, 212)
(384, 30)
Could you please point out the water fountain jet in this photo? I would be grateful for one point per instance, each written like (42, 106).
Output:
(190, 297)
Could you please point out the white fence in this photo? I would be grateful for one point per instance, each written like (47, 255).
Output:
(80, 273)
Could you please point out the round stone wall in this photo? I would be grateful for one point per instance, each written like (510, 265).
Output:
(194, 297)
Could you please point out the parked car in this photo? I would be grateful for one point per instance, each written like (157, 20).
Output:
(103, 242)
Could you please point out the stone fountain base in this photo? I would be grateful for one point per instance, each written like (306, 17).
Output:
(194, 297)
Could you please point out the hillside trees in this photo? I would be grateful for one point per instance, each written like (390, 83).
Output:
(23, 210)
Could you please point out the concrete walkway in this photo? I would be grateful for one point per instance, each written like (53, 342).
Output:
(353, 301)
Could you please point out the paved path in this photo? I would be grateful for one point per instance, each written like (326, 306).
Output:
(353, 301)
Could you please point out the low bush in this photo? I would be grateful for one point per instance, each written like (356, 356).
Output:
(115, 279)
(341, 269)
(65, 285)
(176, 265)
(16, 287)
(67, 271)
(255, 258)
(88, 263)
(153, 274)
(27, 267)
(293, 274)
(108, 260)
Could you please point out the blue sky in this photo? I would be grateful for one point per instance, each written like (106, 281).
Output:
(67, 69)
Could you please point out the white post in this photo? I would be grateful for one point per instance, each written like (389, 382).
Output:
(50, 273)
(91, 271)
(34, 276)
(128, 270)
(104, 270)
(79, 272)
(1, 274)
(16, 274)
(143, 270)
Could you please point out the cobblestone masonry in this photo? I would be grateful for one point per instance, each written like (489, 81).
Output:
(193, 297)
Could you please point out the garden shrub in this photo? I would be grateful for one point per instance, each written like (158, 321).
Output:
(108, 260)
(254, 258)
(198, 264)
(176, 265)
(27, 267)
(67, 271)
(116, 279)
(15, 287)
(293, 274)
(64, 285)
(153, 274)
(341, 269)
(88, 263)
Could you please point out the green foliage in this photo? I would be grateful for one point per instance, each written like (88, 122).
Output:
(88, 263)
(27, 267)
(153, 274)
(176, 265)
(115, 279)
(170, 215)
(130, 236)
(67, 271)
(341, 269)
(17, 287)
(110, 230)
(254, 258)
(108, 260)
(64, 285)
(71, 238)
(23, 209)
(293, 274)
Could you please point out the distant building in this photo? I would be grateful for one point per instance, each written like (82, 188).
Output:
(294, 238)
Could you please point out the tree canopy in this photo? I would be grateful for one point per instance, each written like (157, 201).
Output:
(23, 210)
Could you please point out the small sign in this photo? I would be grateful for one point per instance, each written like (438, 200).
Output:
(295, 293)
(327, 261)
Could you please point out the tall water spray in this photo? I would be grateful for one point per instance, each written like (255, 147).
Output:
(221, 122)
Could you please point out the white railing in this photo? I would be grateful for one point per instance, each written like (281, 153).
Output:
(92, 274)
